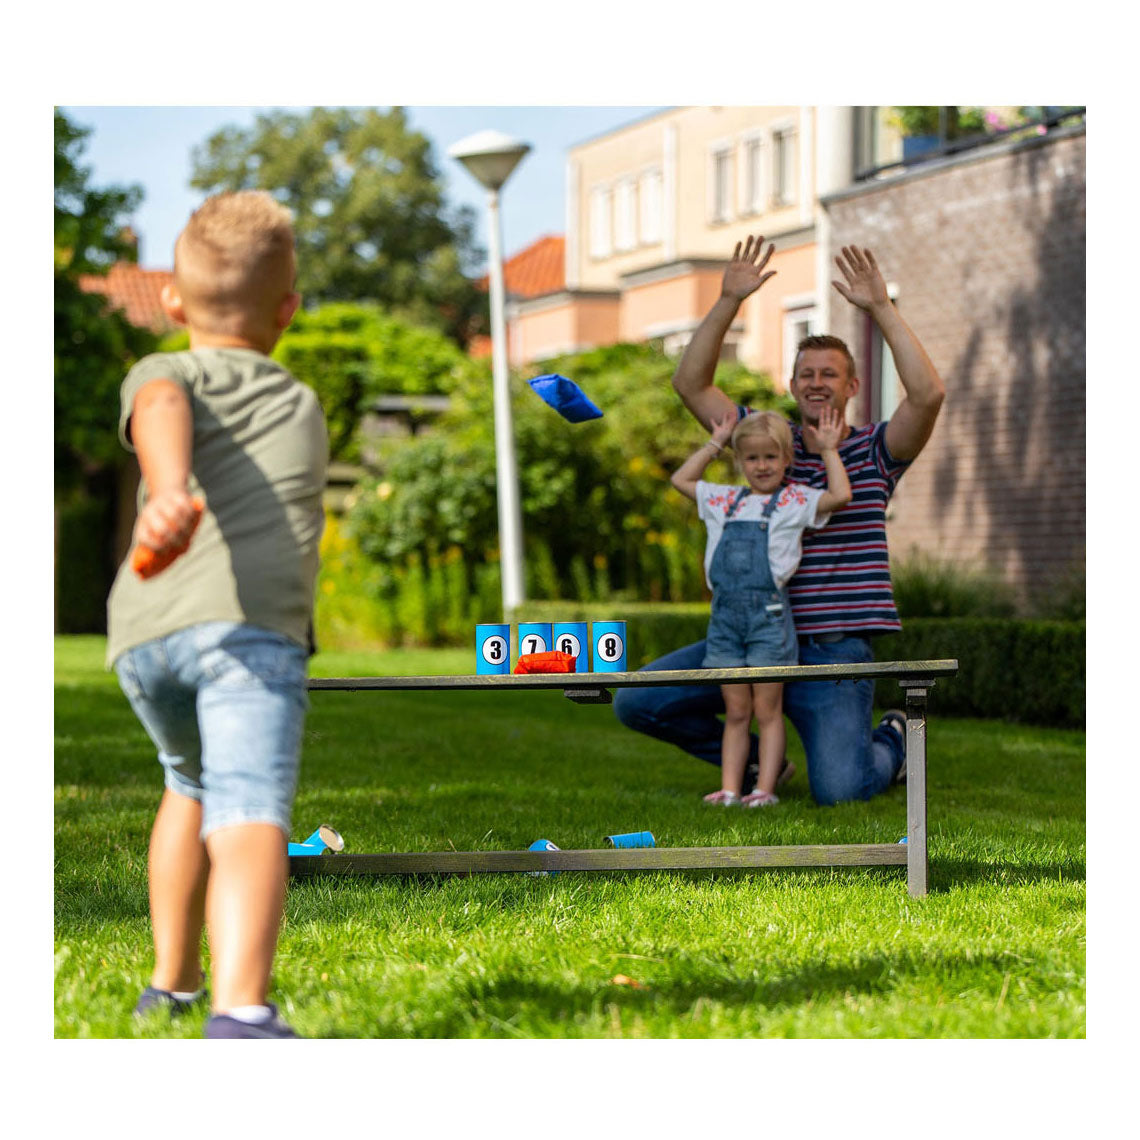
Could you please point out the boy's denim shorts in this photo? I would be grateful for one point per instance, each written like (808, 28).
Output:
(225, 705)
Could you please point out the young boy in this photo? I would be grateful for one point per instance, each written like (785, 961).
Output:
(753, 549)
(212, 651)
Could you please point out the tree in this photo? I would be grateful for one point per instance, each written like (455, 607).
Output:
(599, 514)
(369, 210)
(94, 347)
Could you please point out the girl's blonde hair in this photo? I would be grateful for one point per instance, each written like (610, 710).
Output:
(765, 425)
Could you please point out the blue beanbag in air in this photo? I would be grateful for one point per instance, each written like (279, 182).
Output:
(566, 398)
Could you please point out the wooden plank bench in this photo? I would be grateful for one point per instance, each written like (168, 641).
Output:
(915, 677)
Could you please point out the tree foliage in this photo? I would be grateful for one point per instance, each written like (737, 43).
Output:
(599, 514)
(94, 347)
(369, 209)
(353, 354)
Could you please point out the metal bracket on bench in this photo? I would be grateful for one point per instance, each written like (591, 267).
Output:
(589, 696)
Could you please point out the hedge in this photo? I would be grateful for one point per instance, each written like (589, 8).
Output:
(1008, 669)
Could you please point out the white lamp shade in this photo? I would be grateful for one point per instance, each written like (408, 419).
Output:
(490, 156)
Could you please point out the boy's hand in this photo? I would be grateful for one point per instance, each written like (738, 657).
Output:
(865, 286)
(827, 434)
(723, 427)
(164, 529)
(744, 274)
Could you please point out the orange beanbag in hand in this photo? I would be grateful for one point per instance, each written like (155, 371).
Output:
(553, 661)
(146, 563)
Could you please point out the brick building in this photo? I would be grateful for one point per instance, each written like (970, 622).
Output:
(985, 254)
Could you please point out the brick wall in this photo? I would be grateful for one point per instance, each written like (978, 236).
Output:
(988, 252)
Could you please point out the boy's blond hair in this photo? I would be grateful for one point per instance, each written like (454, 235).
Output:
(234, 262)
(766, 425)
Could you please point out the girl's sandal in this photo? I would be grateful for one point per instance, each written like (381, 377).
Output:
(722, 799)
(759, 799)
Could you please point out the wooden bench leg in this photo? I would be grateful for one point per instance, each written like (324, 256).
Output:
(916, 860)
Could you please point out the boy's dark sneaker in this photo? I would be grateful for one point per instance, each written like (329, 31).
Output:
(222, 1026)
(151, 999)
(896, 719)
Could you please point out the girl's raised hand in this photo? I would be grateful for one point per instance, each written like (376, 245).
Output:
(723, 427)
(827, 434)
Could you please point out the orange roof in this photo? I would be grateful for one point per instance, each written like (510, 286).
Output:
(536, 270)
(137, 292)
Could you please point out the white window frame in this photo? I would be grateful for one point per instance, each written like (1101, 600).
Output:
(625, 215)
(721, 152)
(885, 384)
(601, 222)
(650, 206)
(781, 133)
(800, 309)
(753, 184)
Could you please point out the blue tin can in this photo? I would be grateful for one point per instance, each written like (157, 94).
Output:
(542, 845)
(632, 839)
(573, 637)
(609, 646)
(492, 649)
(324, 839)
(534, 637)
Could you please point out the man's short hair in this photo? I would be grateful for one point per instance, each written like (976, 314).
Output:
(765, 425)
(235, 255)
(824, 341)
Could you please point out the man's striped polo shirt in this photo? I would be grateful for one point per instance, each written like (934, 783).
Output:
(843, 584)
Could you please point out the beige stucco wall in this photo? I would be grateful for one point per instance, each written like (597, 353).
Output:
(688, 230)
(550, 328)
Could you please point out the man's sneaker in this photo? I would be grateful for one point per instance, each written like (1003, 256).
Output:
(221, 1025)
(896, 719)
(722, 799)
(151, 999)
(752, 774)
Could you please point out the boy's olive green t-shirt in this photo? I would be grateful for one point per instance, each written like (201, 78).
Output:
(260, 461)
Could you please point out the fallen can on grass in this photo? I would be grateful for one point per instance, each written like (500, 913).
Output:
(632, 839)
(325, 840)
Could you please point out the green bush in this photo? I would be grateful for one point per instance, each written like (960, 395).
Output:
(926, 587)
(84, 569)
(1027, 671)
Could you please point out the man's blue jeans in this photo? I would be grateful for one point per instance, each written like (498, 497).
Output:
(846, 759)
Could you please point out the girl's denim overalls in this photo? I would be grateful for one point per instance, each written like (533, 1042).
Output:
(751, 622)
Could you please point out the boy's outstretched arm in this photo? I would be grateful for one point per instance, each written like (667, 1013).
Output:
(693, 379)
(686, 477)
(913, 420)
(161, 429)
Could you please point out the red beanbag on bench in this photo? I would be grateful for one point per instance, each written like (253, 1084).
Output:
(553, 661)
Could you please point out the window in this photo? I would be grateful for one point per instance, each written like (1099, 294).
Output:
(799, 321)
(784, 180)
(601, 243)
(754, 176)
(625, 215)
(649, 206)
(721, 185)
(884, 377)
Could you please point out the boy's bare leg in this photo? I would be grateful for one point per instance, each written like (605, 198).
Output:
(248, 873)
(177, 867)
(735, 742)
(768, 705)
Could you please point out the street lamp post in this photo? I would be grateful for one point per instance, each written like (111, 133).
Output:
(491, 157)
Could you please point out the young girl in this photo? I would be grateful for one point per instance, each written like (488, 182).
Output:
(754, 546)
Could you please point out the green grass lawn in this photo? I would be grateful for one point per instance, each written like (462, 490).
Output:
(997, 949)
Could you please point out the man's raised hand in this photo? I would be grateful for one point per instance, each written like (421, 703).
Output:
(745, 273)
(865, 286)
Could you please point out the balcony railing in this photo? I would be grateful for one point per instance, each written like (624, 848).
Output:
(1056, 117)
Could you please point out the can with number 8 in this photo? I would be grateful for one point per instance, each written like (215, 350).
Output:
(492, 649)
(609, 646)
